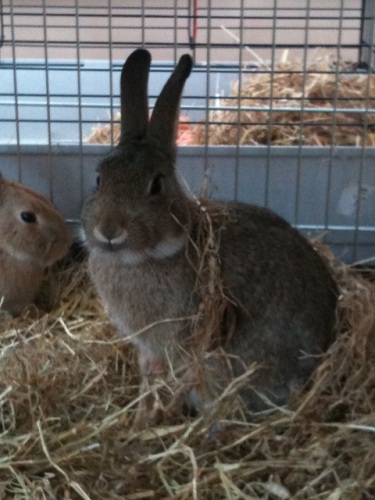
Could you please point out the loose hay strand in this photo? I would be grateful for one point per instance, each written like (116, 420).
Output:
(47, 454)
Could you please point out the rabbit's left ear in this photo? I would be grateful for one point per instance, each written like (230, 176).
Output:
(164, 120)
(134, 101)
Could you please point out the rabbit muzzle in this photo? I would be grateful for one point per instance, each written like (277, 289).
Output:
(110, 238)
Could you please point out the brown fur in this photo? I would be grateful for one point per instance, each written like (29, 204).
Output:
(26, 249)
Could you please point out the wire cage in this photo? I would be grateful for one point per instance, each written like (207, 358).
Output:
(278, 111)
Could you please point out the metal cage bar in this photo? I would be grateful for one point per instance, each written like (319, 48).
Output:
(60, 63)
(366, 42)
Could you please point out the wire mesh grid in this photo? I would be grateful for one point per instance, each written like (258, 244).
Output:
(278, 110)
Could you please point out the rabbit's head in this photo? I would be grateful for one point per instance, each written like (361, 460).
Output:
(31, 229)
(139, 208)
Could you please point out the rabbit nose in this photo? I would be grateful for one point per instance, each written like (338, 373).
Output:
(112, 234)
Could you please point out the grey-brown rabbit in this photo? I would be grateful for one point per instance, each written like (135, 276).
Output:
(141, 228)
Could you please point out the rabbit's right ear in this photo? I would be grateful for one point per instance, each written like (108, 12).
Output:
(134, 101)
(164, 120)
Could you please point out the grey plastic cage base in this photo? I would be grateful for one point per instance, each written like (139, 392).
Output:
(322, 191)
(328, 191)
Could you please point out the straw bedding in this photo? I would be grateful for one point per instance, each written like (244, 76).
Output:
(69, 389)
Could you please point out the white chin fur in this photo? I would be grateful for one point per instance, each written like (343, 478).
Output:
(166, 248)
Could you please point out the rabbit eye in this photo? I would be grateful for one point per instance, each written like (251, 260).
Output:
(98, 181)
(28, 217)
(156, 185)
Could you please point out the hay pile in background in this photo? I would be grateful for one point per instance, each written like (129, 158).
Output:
(314, 94)
(106, 134)
(68, 392)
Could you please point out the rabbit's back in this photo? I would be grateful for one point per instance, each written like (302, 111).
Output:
(285, 298)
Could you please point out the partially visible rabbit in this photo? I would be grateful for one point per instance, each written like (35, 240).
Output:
(33, 235)
(141, 228)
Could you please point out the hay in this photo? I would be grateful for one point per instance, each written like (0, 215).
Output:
(315, 96)
(68, 394)
(325, 107)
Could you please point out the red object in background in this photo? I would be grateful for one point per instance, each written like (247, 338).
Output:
(193, 23)
(185, 135)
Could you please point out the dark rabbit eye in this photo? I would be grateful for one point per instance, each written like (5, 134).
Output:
(98, 181)
(28, 217)
(156, 185)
